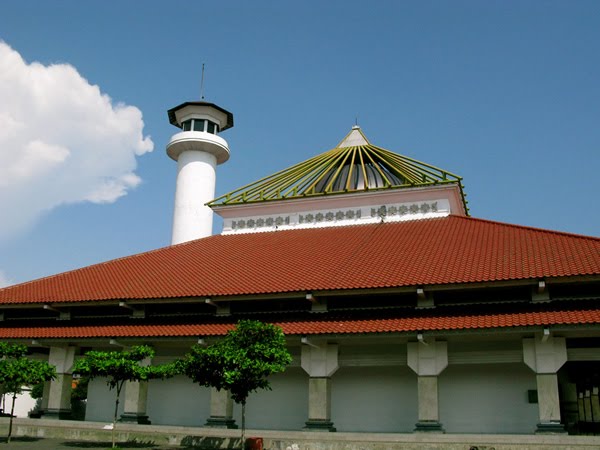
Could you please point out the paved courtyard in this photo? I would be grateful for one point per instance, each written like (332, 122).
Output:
(26, 443)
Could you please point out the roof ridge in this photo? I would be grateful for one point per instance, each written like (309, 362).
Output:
(528, 227)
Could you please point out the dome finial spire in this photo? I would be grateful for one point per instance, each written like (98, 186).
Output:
(354, 138)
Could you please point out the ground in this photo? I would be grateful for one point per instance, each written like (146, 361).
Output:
(25, 443)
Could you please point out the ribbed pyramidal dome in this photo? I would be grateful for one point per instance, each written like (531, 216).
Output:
(354, 165)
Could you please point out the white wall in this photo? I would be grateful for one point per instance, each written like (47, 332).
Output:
(490, 398)
(473, 398)
(377, 399)
(23, 404)
(178, 401)
(101, 402)
(283, 408)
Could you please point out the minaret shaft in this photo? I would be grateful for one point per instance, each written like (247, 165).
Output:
(198, 150)
(196, 177)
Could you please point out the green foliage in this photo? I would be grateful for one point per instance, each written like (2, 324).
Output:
(37, 391)
(18, 371)
(8, 350)
(119, 367)
(80, 391)
(241, 362)
(78, 397)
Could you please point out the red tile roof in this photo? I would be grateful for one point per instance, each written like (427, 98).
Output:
(319, 326)
(414, 253)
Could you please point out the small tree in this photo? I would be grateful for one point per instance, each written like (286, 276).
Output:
(119, 367)
(239, 363)
(18, 371)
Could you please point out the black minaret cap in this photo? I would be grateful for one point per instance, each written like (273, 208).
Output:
(173, 113)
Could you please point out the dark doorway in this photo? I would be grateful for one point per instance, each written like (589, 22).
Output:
(579, 385)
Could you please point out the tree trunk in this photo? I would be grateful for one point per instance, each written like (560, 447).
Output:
(10, 421)
(244, 425)
(114, 424)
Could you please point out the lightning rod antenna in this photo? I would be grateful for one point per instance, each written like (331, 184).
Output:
(202, 83)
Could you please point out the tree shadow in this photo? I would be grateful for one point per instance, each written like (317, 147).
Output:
(20, 439)
(108, 444)
(210, 443)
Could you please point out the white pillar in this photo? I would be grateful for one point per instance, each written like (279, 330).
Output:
(428, 360)
(196, 178)
(545, 357)
(59, 394)
(136, 398)
(320, 362)
(221, 410)
(427, 389)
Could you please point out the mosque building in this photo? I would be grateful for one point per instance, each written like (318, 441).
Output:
(403, 313)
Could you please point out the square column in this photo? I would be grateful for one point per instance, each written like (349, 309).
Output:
(319, 404)
(136, 397)
(549, 403)
(320, 362)
(428, 359)
(221, 410)
(429, 419)
(59, 393)
(545, 356)
(45, 396)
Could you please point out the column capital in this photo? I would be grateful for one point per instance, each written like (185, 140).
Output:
(427, 358)
(320, 359)
(62, 357)
(545, 355)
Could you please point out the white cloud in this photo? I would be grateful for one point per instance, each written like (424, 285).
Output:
(61, 141)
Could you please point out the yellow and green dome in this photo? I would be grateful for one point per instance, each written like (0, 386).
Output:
(355, 165)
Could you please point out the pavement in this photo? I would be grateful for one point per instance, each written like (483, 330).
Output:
(27, 443)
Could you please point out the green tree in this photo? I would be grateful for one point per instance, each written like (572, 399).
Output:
(18, 371)
(240, 363)
(78, 397)
(119, 367)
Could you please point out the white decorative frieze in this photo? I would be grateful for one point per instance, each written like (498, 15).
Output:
(260, 222)
(329, 216)
(404, 209)
(339, 217)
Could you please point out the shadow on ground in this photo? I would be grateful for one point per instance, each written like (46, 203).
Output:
(108, 445)
(20, 439)
(203, 442)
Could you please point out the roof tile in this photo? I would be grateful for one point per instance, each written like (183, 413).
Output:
(323, 326)
(413, 253)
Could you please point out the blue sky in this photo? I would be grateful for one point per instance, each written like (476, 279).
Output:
(504, 93)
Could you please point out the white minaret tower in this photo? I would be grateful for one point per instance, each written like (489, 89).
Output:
(197, 149)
